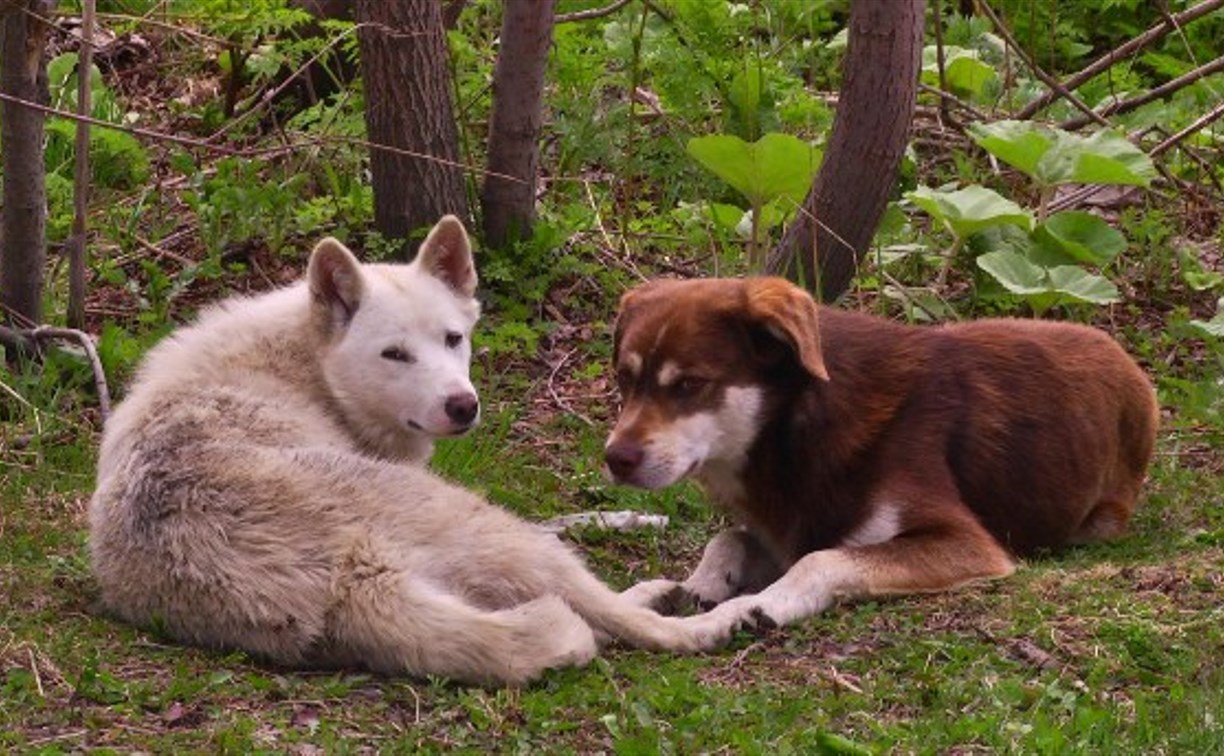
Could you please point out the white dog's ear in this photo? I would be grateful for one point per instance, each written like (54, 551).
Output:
(790, 315)
(336, 285)
(447, 254)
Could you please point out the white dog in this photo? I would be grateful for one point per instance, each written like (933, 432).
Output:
(263, 488)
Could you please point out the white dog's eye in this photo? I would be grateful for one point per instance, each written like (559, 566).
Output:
(453, 339)
(396, 354)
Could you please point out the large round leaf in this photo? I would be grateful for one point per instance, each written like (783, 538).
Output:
(964, 70)
(1083, 236)
(1020, 144)
(1110, 158)
(1053, 156)
(971, 209)
(774, 166)
(1076, 283)
(1014, 272)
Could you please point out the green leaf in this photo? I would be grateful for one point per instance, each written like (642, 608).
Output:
(971, 209)
(749, 98)
(1215, 326)
(725, 216)
(1194, 274)
(1053, 156)
(1076, 283)
(1082, 236)
(1020, 144)
(965, 72)
(968, 75)
(1022, 276)
(774, 166)
(1014, 272)
(1107, 157)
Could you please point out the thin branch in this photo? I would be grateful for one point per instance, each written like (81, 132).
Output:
(587, 15)
(1109, 59)
(945, 112)
(1168, 88)
(1214, 115)
(136, 130)
(257, 152)
(80, 178)
(1047, 79)
(946, 98)
(42, 333)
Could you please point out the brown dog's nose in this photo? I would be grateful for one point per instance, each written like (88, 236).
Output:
(623, 458)
(462, 408)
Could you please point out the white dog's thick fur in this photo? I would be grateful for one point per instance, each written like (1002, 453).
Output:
(262, 487)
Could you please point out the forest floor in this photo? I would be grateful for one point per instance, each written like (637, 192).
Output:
(1114, 647)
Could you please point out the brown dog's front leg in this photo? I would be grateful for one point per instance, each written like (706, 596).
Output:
(734, 562)
(936, 558)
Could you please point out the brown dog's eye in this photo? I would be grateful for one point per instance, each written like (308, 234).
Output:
(688, 386)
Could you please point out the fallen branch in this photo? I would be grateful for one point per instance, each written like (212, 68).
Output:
(1203, 121)
(1171, 23)
(622, 520)
(586, 15)
(1168, 88)
(80, 337)
(29, 343)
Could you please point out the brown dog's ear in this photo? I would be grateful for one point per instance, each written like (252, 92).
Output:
(789, 313)
(447, 254)
(623, 310)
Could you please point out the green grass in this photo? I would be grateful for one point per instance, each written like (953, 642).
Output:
(1111, 648)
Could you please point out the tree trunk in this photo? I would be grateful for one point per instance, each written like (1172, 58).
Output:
(870, 132)
(405, 69)
(23, 75)
(508, 204)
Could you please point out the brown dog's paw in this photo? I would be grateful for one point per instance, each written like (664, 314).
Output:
(760, 621)
(678, 602)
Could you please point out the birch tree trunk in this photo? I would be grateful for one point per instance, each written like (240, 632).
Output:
(508, 196)
(870, 131)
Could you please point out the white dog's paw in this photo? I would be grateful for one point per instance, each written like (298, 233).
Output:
(663, 596)
(717, 627)
(547, 634)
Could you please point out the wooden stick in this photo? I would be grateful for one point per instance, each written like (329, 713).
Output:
(1214, 115)
(80, 178)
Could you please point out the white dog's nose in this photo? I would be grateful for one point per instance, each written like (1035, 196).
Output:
(462, 409)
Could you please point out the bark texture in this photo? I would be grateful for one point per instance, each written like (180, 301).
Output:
(405, 67)
(870, 131)
(23, 74)
(508, 195)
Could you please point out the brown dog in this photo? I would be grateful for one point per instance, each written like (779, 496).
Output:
(862, 457)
